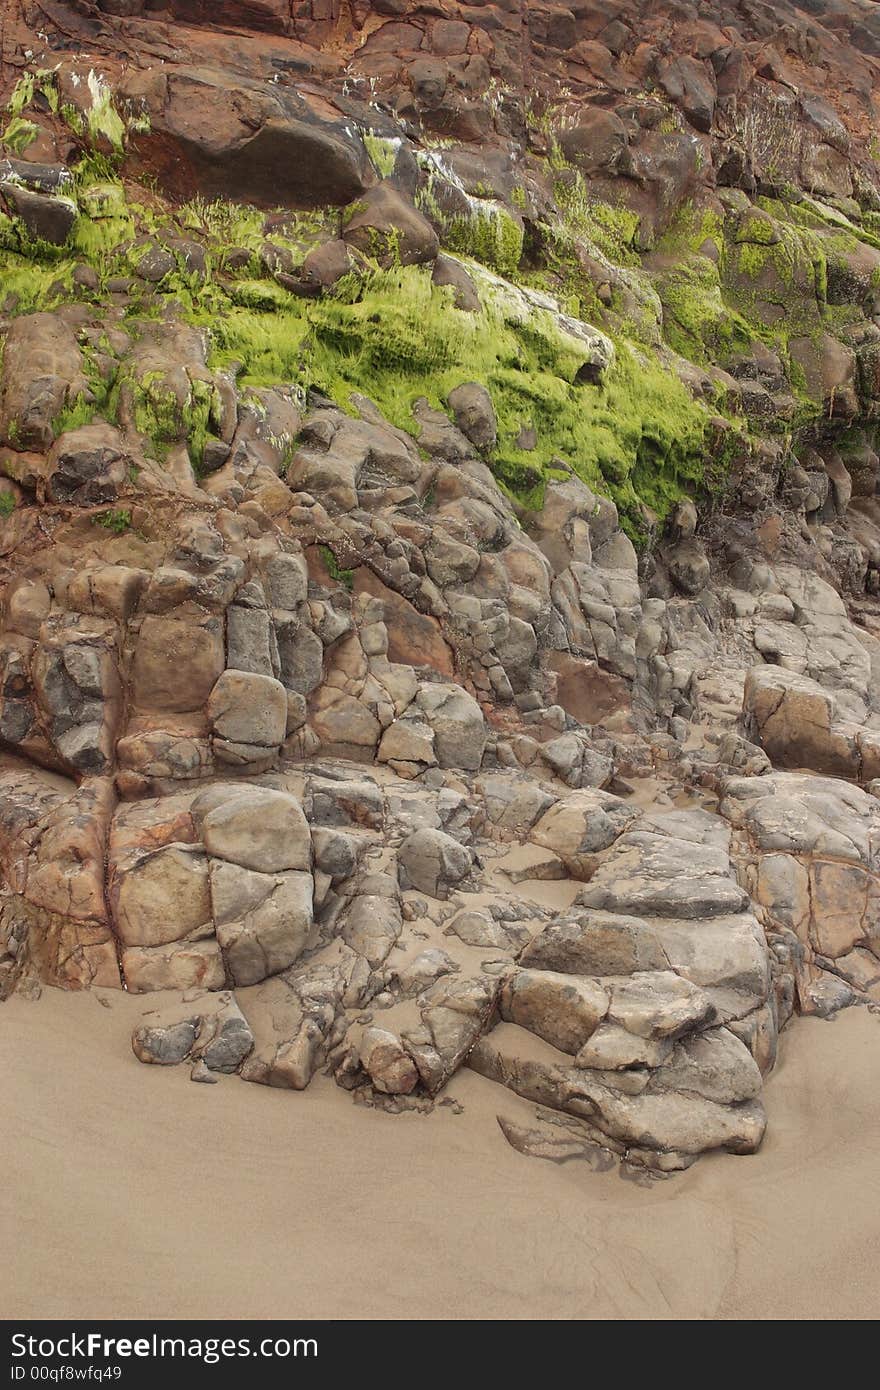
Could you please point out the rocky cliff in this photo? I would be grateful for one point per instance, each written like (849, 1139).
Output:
(440, 542)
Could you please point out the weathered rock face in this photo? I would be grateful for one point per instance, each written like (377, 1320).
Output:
(263, 140)
(405, 665)
(48, 375)
(808, 852)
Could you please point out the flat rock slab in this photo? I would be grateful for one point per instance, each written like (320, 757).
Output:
(653, 874)
(660, 1122)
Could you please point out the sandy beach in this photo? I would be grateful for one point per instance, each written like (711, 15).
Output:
(132, 1192)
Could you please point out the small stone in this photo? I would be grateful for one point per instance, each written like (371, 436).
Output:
(200, 1072)
(164, 1047)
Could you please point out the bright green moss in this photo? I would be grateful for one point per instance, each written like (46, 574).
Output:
(811, 214)
(102, 198)
(22, 94)
(227, 226)
(102, 118)
(28, 286)
(611, 230)
(116, 520)
(81, 411)
(525, 483)
(262, 295)
(88, 405)
(9, 237)
(700, 320)
(100, 242)
(690, 231)
(262, 348)
(106, 223)
(395, 323)
(155, 409)
(791, 270)
(489, 235)
(98, 120)
(397, 337)
(797, 377)
(394, 336)
(19, 134)
(427, 202)
(382, 152)
(638, 436)
(231, 224)
(756, 230)
(159, 414)
(697, 323)
(749, 258)
(334, 569)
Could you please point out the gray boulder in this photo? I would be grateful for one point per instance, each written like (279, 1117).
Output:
(474, 413)
(432, 862)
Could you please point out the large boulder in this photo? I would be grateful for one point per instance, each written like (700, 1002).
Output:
(593, 942)
(663, 1129)
(689, 83)
(713, 1064)
(373, 924)
(580, 826)
(794, 719)
(387, 1062)
(565, 1010)
(456, 719)
(48, 217)
(658, 1004)
(248, 715)
(161, 897)
(454, 1013)
(450, 272)
(42, 372)
(87, 466)
(257, 138)
(662, 170)
(182, 965)
(214, 1031)
(176, 663)
(598, 141)
(811, 846)
(658, 875)
(432, 862)
(385, 226)
(164, 1046)
(262, 920)
(255, 827)
(474, 414)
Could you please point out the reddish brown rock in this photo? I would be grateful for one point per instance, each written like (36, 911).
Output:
(414, 639)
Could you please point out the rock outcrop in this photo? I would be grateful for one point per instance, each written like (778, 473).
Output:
(440, 545)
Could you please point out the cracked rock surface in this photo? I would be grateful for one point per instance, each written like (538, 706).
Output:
(376, 735)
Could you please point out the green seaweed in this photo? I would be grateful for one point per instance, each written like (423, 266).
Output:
(382, 152)
(164, 418)
(394, 336)
(79, 412)
(488, 234)
(19, 134)
(334, 569)
(116, 519)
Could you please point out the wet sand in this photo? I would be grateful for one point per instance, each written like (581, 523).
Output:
(131, 1192)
